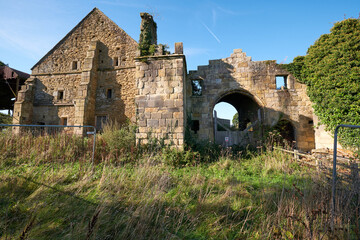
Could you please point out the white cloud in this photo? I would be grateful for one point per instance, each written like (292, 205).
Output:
(214, 16)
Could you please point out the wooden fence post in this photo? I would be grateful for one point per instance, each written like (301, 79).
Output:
(318, 165)
(296, 156)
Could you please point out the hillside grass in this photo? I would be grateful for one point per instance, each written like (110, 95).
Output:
(155, 192)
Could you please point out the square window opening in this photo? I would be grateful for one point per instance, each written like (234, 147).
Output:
(74, 65)
(116, 61)
(60, 95)
(109, 93)
(281, 82)
(196, 87)
(195, 125)
(63, 121)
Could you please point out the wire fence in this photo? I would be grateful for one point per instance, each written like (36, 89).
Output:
(334, 175)
(55, 143)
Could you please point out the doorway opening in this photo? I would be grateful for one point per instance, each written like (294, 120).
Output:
(237, 118)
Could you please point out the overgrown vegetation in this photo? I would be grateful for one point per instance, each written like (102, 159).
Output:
(157, 192)
(147, 39)
(5, 119)
(331, 70)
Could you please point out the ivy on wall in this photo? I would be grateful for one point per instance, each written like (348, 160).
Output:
(331, 71)
(147, 42)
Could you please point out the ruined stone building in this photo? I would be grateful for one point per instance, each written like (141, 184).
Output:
(97, 73)
(10, 82)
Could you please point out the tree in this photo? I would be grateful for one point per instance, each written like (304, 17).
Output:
(331, 71)
(2, 64)
(235, 120)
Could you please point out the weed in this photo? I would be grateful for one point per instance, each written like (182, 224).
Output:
(159, 192)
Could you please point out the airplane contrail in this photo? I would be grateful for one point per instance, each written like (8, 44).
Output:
(213, 34)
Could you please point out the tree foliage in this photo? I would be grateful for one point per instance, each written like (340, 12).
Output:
(235, 120)
(2, 64)
(331, 70)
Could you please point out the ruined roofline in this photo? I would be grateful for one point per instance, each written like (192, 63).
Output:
(232, 55)
(72, 30)
(20, 74)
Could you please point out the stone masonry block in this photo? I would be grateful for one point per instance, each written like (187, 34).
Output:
(153, 123)
(178, 115)
(170, 72)
(156, 115)
(169, 103)
(162, 122)
(166, 115)
(180, 71)
(179, 48)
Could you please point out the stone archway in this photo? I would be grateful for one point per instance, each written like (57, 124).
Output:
(249, 111)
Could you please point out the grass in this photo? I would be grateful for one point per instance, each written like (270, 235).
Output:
(5, 119)
(138, 193)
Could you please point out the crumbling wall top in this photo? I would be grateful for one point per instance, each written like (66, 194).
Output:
(148, 33)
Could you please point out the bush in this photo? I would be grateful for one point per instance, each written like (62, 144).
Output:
(5, 119)
(120, 140)
(331, 72)
(180, 158)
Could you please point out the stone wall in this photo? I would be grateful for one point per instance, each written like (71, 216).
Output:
(256, 81)
(70, 80)
(160, 98)
(23, 107)
(95, 72)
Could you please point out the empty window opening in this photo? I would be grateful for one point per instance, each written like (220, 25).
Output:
(195, 125)
(74, 65)
(196, 87)
(311, 122)
(116, 61)
(100, 122)
(281, 82)
(60, 95)
(109, 93)
(63, 121)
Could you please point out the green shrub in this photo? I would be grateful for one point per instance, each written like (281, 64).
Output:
(119, 140)
(331, 72)
(179, 157)
(5, 119)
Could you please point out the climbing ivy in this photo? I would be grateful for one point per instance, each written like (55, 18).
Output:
(145, 43)
(331, 70)
(295, 67)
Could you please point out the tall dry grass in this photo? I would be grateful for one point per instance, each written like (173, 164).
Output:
(136, 192)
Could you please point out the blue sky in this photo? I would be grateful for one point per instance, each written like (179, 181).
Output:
(265, 30)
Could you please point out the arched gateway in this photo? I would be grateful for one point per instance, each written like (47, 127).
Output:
(249, 117)
(262, 92)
